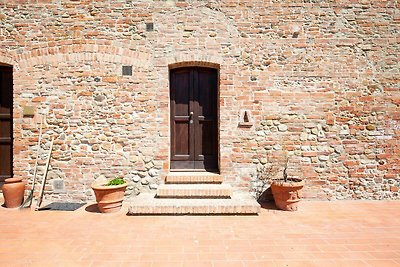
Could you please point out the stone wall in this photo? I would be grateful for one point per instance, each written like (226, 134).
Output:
(320, 80)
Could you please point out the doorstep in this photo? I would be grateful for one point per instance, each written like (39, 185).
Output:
(238, 204)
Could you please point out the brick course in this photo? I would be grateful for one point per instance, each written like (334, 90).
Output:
(321, 80)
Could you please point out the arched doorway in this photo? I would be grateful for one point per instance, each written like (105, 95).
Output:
(194, 119)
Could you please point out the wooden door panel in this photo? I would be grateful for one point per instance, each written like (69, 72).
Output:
(182, 93)
(182, 145)
(207, 97)
(6, 135)
(207, 145)
(181, 96)
(5, 160)
(5, 129)
(194, 132)
(5, 91)
(206, 133)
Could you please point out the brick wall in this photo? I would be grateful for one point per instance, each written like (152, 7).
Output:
(321, 80)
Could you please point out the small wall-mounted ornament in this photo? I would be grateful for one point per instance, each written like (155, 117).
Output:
(246, 119)
(28, 111)
(295, 28)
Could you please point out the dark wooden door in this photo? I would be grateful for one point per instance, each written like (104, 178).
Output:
(6, 122)
(194, 119)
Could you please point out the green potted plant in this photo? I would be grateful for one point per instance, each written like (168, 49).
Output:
(109, 195)
(286, 190)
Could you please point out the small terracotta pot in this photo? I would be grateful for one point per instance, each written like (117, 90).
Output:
(109, 198)
(287, 194)
(13, 192)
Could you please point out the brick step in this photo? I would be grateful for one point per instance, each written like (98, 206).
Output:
(239, 204)
(193, 178)
(194, 191)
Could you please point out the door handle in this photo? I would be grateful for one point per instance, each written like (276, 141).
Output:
(191, 117)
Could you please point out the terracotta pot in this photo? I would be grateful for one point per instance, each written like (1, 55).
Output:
(109, 198)
(13, 191)
(287, 194)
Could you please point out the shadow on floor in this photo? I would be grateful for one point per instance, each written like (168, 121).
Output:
(268, 205)
(63, 206)
(92, 208)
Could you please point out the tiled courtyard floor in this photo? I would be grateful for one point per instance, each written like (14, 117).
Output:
(342, 233)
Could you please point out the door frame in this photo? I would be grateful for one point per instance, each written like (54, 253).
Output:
(216, 67)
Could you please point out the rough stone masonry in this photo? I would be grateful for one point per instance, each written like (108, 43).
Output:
(319, 79)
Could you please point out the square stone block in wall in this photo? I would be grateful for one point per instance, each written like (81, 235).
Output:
(58, 186)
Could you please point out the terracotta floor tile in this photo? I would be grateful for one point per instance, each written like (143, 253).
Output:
(182, 256)
(294, 263)
(332, 247)
(215, 256)
(359, 247)
(12, 255)
(382, 263)
(14, 262)
(342, 233)
(102, 263)
(227, 263)
(151, 256)
(356, 255)
(167, 264)
(135, 264)
(326, 263)
(300, 247)
(249, 256)
(384, 254)
(385, 247)
(297, 255)
(327, 255)
(336, 241)
(197, 263)
(340, 263)
(55, 262)
(264, 263)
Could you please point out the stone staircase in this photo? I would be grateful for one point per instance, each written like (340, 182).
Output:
(194, 193)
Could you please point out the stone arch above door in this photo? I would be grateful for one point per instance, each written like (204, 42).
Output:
(7, 61)
(207, 61)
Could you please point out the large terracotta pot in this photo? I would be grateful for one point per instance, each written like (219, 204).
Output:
(13, 192)
(287, 194)
(109, 198)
